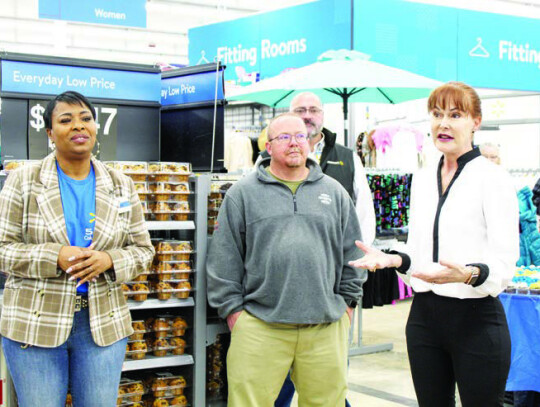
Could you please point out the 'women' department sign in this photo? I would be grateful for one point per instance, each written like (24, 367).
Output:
(130, 13)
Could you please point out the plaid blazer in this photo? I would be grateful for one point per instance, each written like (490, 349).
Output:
(39, 300)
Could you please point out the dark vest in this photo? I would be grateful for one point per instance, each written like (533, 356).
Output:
(336, 161)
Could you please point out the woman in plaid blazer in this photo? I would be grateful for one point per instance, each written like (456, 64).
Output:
(64, 318)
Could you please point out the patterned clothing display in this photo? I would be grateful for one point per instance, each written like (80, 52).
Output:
(391, 198)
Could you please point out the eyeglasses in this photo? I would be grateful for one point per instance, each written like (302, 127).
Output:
(285, 138)
(303, 110)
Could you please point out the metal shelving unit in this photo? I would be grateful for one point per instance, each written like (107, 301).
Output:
(215, 328)
(202, 190)
(171, 225)
(152, 361)
(197, 302)
(153, 303)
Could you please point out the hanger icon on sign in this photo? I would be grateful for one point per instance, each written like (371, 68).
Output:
(479, 50)
(202, 59)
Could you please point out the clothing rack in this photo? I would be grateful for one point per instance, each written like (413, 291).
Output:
(358, 348)
(525, 177)
(385, 171)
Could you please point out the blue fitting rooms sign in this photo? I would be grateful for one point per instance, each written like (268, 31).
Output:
(264, 45)
(200, 87)
(482, 49)
(129, 13)
(48, 79)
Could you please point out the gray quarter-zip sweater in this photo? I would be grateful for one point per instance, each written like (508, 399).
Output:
(284, 257)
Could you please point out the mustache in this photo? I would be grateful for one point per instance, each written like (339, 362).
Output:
(294, 150)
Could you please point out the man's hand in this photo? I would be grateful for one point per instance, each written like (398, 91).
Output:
(88, 264)
(350, 312)
(232, 318)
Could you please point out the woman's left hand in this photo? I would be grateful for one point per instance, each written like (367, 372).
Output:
(452, 273)
(89, 265)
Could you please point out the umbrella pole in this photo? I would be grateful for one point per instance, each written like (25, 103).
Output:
(346, 118)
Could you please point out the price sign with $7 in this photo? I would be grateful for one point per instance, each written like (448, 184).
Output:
(108, 113)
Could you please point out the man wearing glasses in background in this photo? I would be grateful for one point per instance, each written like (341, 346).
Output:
(278, 272)
(338, 161)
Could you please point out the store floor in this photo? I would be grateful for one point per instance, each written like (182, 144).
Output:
(382, 379)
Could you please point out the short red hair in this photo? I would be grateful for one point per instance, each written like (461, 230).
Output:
(458, 94)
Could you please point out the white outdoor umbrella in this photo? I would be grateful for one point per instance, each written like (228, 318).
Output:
(340, 76)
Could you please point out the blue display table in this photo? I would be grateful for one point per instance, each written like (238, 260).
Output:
(523, 314)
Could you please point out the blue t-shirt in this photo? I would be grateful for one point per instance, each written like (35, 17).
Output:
(79, 203)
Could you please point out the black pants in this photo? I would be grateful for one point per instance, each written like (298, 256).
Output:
(466, 341)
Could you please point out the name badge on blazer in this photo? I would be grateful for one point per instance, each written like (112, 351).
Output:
(123, 205)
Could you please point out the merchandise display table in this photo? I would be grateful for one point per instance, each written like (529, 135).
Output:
(523, 315)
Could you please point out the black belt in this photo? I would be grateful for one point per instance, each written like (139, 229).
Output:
(81, 302)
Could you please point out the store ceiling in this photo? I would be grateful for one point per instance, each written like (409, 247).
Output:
(165, 38)
(163, 41)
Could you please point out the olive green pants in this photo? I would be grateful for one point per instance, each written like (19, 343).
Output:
(262, 353)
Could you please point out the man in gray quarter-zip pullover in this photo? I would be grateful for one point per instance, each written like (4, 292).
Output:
(278, 271)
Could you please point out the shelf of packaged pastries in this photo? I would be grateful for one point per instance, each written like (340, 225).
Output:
(150, 389)
(159, 388)
(166, 206)
(216, 374)
(153, 170)
(11, 165)
(166, 216)
(526, 281)
(215, 199)
(164, 290)
(164, 191)
(157, 342)
(170, 249)
(168, 278)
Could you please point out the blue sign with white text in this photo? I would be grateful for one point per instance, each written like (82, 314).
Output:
(129, 13)
(48, 79)
(200, 87)
(264, 45)
(508, 58)
(481, 49)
